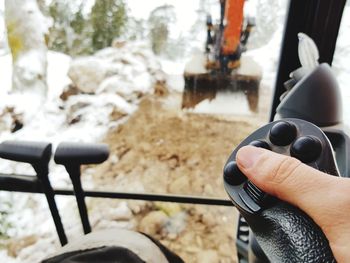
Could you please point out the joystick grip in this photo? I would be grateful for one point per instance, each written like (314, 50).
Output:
(286, 234)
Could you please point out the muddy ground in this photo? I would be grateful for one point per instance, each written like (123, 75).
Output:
(162, 149)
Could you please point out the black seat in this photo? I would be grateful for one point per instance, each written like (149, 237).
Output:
(25, 151)
(81, 153)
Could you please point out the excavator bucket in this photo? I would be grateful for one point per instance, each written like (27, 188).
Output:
(199, 87)
(202, 85)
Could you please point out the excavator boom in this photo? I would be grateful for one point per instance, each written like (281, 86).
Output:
(233, 27)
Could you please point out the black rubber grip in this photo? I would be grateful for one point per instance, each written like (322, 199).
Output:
(68, 153)
(286, 234)
(26, 151)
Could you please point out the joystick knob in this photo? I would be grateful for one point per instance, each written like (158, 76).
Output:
(283, 133)
(306, 149)
(233, 175)
(260, 144)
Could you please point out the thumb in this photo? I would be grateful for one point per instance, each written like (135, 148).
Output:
(285, 177)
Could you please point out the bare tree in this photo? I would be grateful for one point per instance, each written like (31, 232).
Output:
(26, 31)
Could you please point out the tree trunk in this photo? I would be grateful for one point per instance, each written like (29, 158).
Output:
(26, 31)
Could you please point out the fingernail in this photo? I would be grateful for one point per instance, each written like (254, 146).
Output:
(247, 156)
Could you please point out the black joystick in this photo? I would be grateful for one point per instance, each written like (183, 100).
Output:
(282, 230)
(233, 175)
(260, 144)
(283, 133)
(306, 149)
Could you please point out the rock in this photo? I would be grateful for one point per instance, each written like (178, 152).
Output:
(199, 241)
(153, 222)
(17, 125)
(192, 249)
(70, 90)
(88, 108)
(207, 256)
(160, 88)
(113, 158)
(180, 185)
(194, 161)
(107, 224)
(198, 184)
(11, 120)
(74, 114)
(138, 206)
(155, 177)
(114, 84)
(188, 237)
(145, 147)
(74, 119)
(225, 250)
(87, 73)
(208, 190)
(121, 212)
(172, 236)
(118, 44)
(110, 213)
(176, 224)
(170, 209)
(208, 219)
(117, 114)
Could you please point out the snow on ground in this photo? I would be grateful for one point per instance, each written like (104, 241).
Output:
(81, 118)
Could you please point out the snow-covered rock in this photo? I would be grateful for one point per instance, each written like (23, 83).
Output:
(87, 73)
(116, 85)
(96, 109)
(153, 222)
(128, 70)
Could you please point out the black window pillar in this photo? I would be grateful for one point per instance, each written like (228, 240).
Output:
(319, 19)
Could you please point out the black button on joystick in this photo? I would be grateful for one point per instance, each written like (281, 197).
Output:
(283, 133)
(306, 149)
(260, 144)
(233, 175)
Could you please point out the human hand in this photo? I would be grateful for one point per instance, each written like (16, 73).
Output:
(325, 198)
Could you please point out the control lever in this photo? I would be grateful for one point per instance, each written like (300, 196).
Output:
(72, 156)
(285, 233)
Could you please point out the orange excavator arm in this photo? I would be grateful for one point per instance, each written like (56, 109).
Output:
(233, 27)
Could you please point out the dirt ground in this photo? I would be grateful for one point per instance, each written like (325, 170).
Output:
(162, 149)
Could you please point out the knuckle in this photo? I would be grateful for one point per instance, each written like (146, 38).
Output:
(342, 192)
(285, 170)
